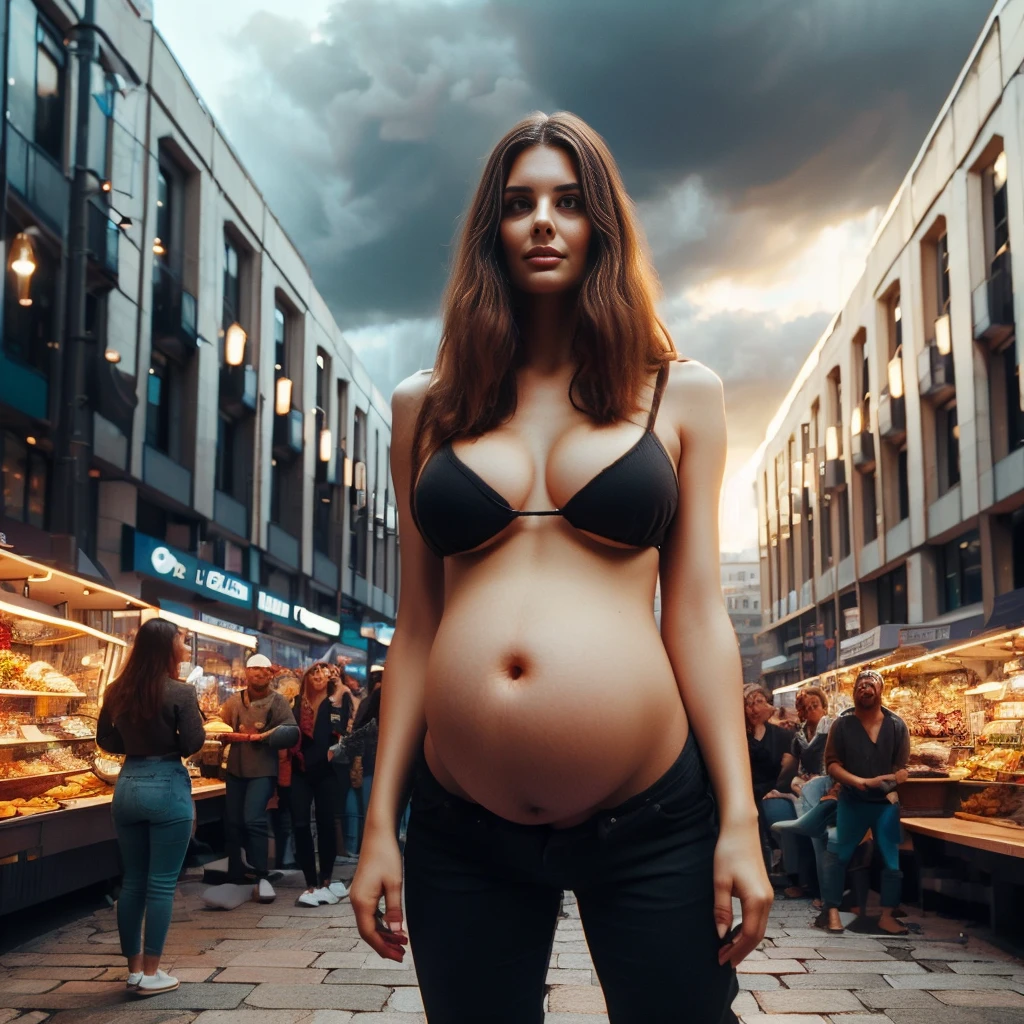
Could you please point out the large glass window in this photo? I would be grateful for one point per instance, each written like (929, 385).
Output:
(891, 590)
(1011, 377)
(903, 483)
(844, 523)
(942, 273)
(280, 343)
(159, 396)
(226, 443)
(960, 570)
(163, 242)
(869, 507)
(947, 433)
(35, 80)
(25, 481)
(232, 285)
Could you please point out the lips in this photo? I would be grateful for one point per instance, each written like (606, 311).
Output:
(542, 251)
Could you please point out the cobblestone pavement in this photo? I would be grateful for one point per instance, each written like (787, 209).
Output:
(281, 964)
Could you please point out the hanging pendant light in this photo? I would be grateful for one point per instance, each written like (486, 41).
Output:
(325, 444)
(283, 396)
(896, 375)
(23, 263)
(234, 346)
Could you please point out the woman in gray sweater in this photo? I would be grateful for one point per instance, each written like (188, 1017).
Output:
(153, 718)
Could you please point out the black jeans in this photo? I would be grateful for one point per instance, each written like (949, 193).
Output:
(318, 787)
(482, 896)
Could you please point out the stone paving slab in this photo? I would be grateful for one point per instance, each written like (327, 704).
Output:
(768, 966)
(26, 986)
(786, 1018)
(986, 967)
(556, 976)
(577, 999)
(809, 1002)
(789, 952)
(355, 976)
(119, 1015)
(58, 973)
(249, 1016)
(890, 998)
(758, 982)
(319, 997)
(997, 998)
(940, 951)
(332, 961)
(198, 997)
(835, 981)
(936, 982)
(272, 975)
(273, 958)
(854, 954)
(406, 1000)
(858, 1018)
(865, 967)
(957, 1015)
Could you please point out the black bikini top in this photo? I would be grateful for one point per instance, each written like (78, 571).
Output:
(631, 501)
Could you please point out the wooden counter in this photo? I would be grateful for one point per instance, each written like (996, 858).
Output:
(991, 838)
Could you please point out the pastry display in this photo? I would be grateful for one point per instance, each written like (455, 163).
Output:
(21, 807)
(215, 725)
(12, 665)
(993, 802)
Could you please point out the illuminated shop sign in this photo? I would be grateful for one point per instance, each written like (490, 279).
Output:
(153, 557)
(295, 614)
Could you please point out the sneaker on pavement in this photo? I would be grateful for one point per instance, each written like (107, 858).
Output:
(339, 889)
(324, 895)
(133, 979)
(307, 899)
(263, 892)
(151, 984)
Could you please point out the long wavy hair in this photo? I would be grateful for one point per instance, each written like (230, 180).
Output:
(619, 338)
(136, 693)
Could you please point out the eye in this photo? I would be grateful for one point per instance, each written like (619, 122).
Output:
(575, 202)
(516, 205)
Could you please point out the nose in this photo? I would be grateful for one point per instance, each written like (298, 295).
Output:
(543, 225)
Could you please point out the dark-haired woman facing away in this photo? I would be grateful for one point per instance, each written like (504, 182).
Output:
(556, 462)
(154, 718)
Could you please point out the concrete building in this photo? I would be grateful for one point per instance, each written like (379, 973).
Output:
(891, 487)
(741, 586)
(211, 406)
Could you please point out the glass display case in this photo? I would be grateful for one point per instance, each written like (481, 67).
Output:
(52, 675)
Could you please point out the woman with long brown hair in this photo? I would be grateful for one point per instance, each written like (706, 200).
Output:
(314, 787)
(556, 462)
(152, 717)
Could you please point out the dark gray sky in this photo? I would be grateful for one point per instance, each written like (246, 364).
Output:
(761, 139)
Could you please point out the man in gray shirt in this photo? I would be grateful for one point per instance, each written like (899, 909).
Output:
(261, 724)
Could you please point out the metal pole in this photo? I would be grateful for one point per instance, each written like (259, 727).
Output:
(74, 434)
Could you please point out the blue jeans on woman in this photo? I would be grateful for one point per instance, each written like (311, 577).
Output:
(153, 813)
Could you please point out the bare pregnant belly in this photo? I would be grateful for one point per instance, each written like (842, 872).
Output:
(546, 704)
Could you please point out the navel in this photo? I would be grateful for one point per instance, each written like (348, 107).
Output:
(515, 668)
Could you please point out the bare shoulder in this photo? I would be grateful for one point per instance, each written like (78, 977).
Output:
(695, 396)
(408, 396)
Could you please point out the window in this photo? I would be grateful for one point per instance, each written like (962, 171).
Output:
(226, 446)
(903, 483)
(999, 241)
(746, 602)
(843, 504)
(158, 403)
(942, 273)
(163, 243)
(232, 306)
(869, 507)
(1008, 369)
(30, 332)
(947, 436)
(280, 343)
(26, 477)
(960, 572)
(810, 480)
(35, 80)
(895, 324)
(1017, 547)
(891, 590)
(360, 498)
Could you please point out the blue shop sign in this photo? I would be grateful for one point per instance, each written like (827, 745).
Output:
(275, 607)
(155, 558)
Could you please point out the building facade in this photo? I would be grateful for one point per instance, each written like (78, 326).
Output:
(891, 487)
(170, 378)
(741, 587)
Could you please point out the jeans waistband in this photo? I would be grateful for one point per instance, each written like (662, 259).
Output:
(684, 770)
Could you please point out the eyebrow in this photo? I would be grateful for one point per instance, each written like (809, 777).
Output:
(571, 187)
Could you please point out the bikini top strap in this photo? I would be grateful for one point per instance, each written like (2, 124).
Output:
(659, 390)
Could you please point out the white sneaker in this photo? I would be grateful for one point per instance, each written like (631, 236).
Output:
(263, 892)
(339, 889)
(324, 895)
(133, 979)
(308, 899)
(151, 984)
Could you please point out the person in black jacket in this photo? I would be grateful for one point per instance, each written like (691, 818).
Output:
(153, 718)
(314, 785)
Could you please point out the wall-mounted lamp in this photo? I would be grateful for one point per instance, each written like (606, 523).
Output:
(348, 471)
(856, 421)
(831, 444)
(234, 347)
(283, 396)
(896, 374)
(23, 263)
(158, 247)
(943, 341)
(112, 355)
(125, 223)
(325, 444)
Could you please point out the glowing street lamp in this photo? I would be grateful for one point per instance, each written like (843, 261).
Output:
(23, 263)
(896, 375)
(234, 346)
(283, 396)
(325, 444)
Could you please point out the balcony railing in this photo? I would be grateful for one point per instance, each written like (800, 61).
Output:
(992, 303)
(892, 417)
(834, 475)
(935, 373)
(288, 435)
(104, 238)
(38, 180)
(174, 314)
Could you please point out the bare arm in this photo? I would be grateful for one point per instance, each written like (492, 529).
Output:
(421, 600)
(702, 649)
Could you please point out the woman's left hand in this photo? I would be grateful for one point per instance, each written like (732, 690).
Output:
(740, 871)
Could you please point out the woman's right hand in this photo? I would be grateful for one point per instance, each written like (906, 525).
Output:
(379, 874)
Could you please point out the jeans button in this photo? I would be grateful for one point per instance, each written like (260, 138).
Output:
(611, 821)
(657, 807)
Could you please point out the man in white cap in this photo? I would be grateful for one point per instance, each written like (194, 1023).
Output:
(261, 724)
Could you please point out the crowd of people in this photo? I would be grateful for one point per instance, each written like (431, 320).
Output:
(824, 786)
(290, 764)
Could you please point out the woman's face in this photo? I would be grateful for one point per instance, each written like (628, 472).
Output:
(545, 230)
(814, 711)
(318, 678)
(757, 709)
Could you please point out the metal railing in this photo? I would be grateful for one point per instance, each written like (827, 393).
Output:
(38, 179)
